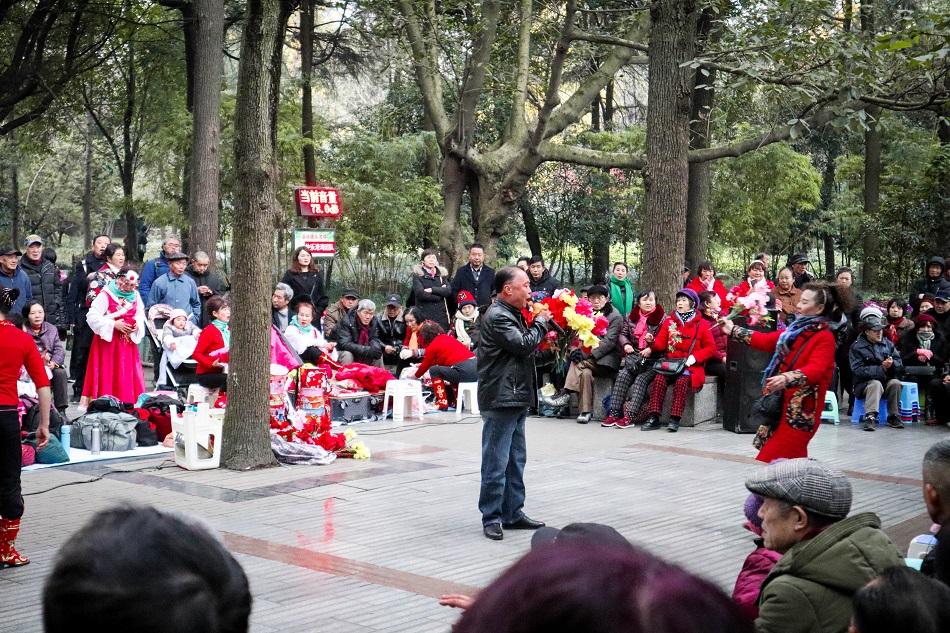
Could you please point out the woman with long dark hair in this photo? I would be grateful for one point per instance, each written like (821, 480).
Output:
(802, 365)
(306, 280)
(17, 350)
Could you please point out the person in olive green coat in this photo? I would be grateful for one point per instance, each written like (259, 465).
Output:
(827, 556)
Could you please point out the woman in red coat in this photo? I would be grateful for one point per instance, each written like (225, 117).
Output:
(684, 334)
(211, 352)
(802, 365)
(705, 280)
(446, 360)
(754, 274)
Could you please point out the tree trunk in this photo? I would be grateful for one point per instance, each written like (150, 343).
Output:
(87, 186)
(530, 227)
(600, 257)
(454, 181)
(206, 132)
(872, 199)
(247, 438)
(666, 175)
(15, 205)
(306, 86)
(609, 107)
(827, 196)
(700, 174)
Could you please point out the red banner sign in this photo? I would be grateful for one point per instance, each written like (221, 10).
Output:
(318, 202)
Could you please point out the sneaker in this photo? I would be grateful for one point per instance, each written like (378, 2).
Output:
(560, 401)
(609, 421)
(584, 418)
(894, 422)
(869, 420)
(624, 423)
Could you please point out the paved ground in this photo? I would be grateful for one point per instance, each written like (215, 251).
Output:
(368, 546)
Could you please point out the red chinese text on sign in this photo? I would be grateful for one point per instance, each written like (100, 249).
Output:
(318, 202)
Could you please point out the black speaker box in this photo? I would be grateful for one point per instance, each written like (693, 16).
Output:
(743, 383)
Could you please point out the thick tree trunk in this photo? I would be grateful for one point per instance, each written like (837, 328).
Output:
(306, 86)
(87, 186)
(15, 205)
(206, 132)
(454, 180)
(600, 255)
(666, 176)
(827, 196)
(128, 214)
(700, 174)
(872, 198)
(247, 438)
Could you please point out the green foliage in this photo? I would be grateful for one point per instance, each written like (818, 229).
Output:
(761, 198)
(388, 205)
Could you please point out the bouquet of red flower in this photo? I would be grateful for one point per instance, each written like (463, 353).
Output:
(573, 320)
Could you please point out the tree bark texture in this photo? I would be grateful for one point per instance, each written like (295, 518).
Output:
(666, 175)
(15, 205)
(530, 227)
(700, 174)
(872, 198)
(206, 128)
(246, 435)
(306, 86)
(453, 188)
(827, 196)
(87, 186)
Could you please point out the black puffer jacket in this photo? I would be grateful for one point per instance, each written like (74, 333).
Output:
(392, 331)
(929, 285)
(506, 358)
(78, 286)
(47, 288)
(432, 306)
(543, 287)
(347, 335)
(866, 358)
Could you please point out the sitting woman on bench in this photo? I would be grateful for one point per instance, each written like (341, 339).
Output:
(307, 339)
(213, 345)
(446, 360)
(684, 335)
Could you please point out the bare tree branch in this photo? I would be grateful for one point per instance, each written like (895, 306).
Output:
(475, 69)
(575, 155)
(517, 125)
(425, 65)
(552, 95)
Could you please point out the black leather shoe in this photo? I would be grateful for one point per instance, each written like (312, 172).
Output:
(673, 426)
(651, 424)
(524, 523)
(493, 531)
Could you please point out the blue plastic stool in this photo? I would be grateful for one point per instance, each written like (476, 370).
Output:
(830, 412)
(910, 402)
(858, 411)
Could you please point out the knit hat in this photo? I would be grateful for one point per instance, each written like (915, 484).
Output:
(751, 509)
(807, 483)
(177, 312)
(465, 298)
(872, 318)
(690, 294)
(925, 318)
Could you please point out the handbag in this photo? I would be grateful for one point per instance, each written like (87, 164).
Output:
(766, 412)
(674, 366)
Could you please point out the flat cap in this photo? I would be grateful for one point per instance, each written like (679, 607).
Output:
(807, 483)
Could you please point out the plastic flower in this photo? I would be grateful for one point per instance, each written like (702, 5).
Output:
(584, 307)
(360, 451)
(600, 325)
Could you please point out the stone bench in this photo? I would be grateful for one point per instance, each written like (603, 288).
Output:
(700, 407)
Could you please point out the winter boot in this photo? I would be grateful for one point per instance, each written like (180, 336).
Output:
(441, 394)
(9, 557)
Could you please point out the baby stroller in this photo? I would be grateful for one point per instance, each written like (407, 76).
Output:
(171, 378)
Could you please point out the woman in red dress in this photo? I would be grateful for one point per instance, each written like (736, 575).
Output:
(17, 350)
(802, 365)
(447, 361)
(117, 319)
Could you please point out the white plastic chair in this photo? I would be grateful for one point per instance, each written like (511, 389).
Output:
(467, 393)
(400, 391)
(197, 394)
(197, 431)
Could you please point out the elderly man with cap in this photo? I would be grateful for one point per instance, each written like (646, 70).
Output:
(13, 277)
(392, 329)
(339, 311)
(176, 289)
(877, 366)
(826, 555)
(46, 285)
(941, 312)
(798, 262)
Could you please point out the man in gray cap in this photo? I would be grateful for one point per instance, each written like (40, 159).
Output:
(339, 311)
(392, 329)
(826, 555)
(876, 366)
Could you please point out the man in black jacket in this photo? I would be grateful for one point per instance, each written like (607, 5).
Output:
(475, 277)
(506, 390)
(357, 336)
(932, 283)
(44, 280)
(877, 368)
(543, 284)
(76, 311)
(392, 329)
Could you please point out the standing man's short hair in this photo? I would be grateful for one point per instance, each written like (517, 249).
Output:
(537, 259)
(476, 245)
(506, 276)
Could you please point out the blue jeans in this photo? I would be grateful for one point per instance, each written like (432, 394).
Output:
(504, 453)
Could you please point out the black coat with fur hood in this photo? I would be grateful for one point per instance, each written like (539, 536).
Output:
(432, 306)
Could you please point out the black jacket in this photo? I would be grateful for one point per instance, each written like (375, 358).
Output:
(392, 331)
(506, 358)
(308, 285)
(608, 352)
(432, 306)
(347, 334)
(928, 285)
(78, 286)
(482, 289)
(47, 288)
(866, 358)
(543, 287)
(215, 281)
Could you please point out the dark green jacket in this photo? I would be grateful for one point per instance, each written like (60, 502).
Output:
(810, 587)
